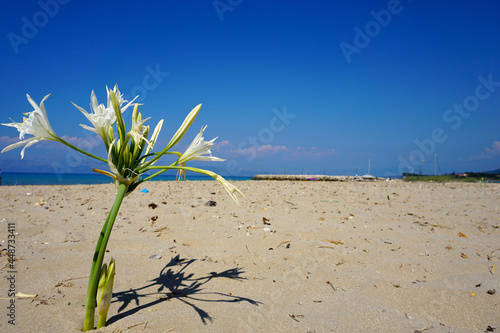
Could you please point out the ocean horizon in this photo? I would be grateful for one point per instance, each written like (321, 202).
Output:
(28, 178)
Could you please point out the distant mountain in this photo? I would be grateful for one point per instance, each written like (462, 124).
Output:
(494, 172)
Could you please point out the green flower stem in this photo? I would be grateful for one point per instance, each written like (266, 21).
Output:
(165, 168)
(146, 166)
(81, 151)
(153, 160)
(95, 272)
(155, 174)
(90, 301)
(101, 320)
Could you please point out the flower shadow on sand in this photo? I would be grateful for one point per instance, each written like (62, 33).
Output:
(181, 286)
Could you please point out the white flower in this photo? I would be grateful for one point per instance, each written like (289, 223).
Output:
(137, 132)
(230, 188)
(37, 124)
(119, 97)
(103, 117)
(198, 148)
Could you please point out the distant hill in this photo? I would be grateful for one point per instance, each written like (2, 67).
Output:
(494, 172)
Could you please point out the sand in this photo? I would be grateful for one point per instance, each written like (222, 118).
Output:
(296, 257)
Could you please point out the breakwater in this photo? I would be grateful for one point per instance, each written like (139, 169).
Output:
(303, 177)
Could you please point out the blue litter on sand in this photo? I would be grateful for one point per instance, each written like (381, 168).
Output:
(144, 190)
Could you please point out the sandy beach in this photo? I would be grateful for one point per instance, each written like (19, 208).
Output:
(297, 256)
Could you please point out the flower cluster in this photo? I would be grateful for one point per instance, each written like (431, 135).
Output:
(130, 159)
(102, 118)
(129, 153)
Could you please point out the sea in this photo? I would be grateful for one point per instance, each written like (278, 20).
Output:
(19, 178)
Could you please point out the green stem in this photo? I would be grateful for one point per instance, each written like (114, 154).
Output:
(101, 321)
(81, 151)
(145, 166)
(155, 174)
(165, 168)
(90, 301)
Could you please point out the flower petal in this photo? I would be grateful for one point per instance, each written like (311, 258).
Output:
(31, 143)
(156, 132)
(32, 102)
(82, 110)
(184, 127)
(208, 158)
(89, 128)
(230, 188)
(17, 144)
(93, 101)
(42, 108)
(198, 149)
(13, 124)
(128, 104)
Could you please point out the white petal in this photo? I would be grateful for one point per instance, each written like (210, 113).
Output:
(93, 100)
(17, 144)
(89, 128)
(32, 102)
(198, 137)
(13, 124)
(42, 108)
(128, 104)
(156, 132)
(109, 99)
(230, 188)
(31, 143)
(208, 158)
(82, 110)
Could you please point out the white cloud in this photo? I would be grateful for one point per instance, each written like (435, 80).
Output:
(224, 145)
(494, 150)
(84, 143)
(7, 140)
(229, 149)
(489, 152)
(262, 150)
(313, 152)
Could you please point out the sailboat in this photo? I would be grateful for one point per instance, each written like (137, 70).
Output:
(368, 176)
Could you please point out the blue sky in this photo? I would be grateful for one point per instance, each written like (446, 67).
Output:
(288, 87)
